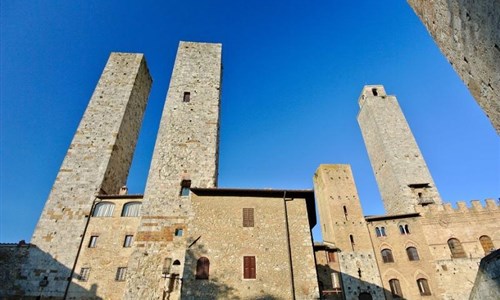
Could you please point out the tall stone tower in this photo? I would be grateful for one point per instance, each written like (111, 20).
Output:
(402, 175)
(97, 162)
(343, 226)
(185, 155)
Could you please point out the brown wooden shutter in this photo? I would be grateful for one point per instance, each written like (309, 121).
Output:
(248, 217)
(249, 267)
(202, 268)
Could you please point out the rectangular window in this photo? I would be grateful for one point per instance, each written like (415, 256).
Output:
(120, 274)
(331, 256)
(187, 97)
(129, 239)
(249, 267)
(84, 274)
(335, 280)
(185, 187)
(248, 217)
(93, 241)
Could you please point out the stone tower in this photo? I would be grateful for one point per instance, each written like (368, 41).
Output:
(402, 175)
(468, 34)
(185, 155)
(97, 162)
(343, 226)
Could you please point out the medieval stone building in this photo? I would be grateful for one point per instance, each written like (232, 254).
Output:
(186, 238)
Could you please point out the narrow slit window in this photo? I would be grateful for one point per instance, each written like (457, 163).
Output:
(375, 92)
(187, 97)
(395, 289)
(351, 238)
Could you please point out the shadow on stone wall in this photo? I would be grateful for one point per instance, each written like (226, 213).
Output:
(212, 288)
(357, 286)
(23, 277)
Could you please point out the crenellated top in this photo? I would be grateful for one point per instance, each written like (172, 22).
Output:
(461, 207)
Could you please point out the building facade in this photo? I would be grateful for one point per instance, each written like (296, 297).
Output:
(185, 238)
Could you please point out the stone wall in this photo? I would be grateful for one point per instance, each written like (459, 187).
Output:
(97, 161)
(280, 240)
(186, 150)
(468, 34)
(107, 255)
(402, 175)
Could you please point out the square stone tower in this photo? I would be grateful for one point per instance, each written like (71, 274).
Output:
(185, 155)
(402, 175)
(97, 162)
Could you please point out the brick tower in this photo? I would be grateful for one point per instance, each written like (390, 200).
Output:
(185, 155)
(97, 162)
(402, 175)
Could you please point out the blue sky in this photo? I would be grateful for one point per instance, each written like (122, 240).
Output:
(292, 76)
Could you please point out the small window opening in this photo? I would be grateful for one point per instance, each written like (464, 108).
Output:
(129, 239)
(387, 256)
(331, 256)
(351, 238)
(202, 268)
(345, 212)
(121, 272)
(423, 287)
(187, 97)
(177, 263)
(395, 289)
(185, 187)
(84, 274)
(93, 241)
(178, 232)
(456, 249)
(404, 229)
(375, 92)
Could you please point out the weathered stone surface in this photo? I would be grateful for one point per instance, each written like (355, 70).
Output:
(186, 149)
(487, 283)
(402, 175)
(468, 34)
(97, 161)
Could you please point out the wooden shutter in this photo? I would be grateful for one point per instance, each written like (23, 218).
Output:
(249, 267)
(248, 217)
(202, 268)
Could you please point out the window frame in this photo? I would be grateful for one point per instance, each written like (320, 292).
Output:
(387, 256)
(127, 212)
(128, 241)
(395, 286)
(121, 273)
(456, 248)
(423, 287)
(249, 267)
(106, 212)
(202, 268)
(84, 274)
(486, 243)
(412, 253)
(93, 241)
(248, 217)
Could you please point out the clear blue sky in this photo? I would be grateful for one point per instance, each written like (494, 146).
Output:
(292, 76)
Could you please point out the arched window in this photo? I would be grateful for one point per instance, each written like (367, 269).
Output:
(423, 287)
(404, 229)
(387, 256)
(412, 253)
(486, 243)
(131, 209)
(345, 212)
(104, 209)
(382, 231)
(395, 289)
(377, 232)
(457, 251)
(202, 268)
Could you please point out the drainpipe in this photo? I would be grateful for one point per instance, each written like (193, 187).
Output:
(289, 245)
(70, 279)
